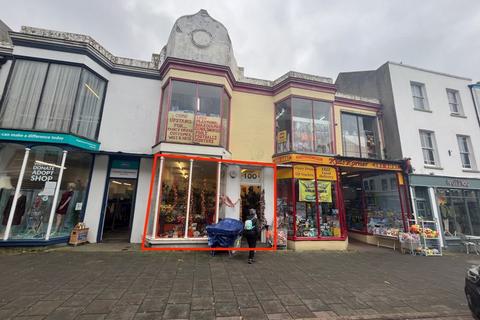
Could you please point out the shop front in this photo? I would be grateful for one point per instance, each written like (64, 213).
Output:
(43, 188)
(454, 203)
(188, 193)
(324, 200)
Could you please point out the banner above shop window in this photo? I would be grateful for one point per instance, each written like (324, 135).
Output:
(307, 191)
(46, 137)
(313, 159)
(308, 172)
(125, 169)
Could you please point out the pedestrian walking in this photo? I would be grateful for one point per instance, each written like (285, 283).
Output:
(251, 233)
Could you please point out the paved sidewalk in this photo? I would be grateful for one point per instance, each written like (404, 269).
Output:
(366, 284)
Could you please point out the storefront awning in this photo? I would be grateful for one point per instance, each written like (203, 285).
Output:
(49, 137)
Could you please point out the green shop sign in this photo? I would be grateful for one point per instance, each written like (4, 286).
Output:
(58, 138)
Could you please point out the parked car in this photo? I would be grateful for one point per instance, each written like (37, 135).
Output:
(472, 290)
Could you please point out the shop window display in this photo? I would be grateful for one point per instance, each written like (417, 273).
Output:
(370, 208)
(330, 225)
(203, 198)
(11, 156)
(360, 136)
(174, 195)
(459, 211)
(284, 203)
(302, 125)
(422, 203)
(283, 126)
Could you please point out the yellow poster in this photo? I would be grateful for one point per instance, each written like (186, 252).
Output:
(180, 127)
(302, 171)
(282, 136)
(324, 191)
(306, 190)
(207, 130)
(326, 173)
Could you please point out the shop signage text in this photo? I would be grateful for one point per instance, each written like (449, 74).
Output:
(45, 137)
(457, 183)
(251, 176)
(312, 159)
(42, 173)
(207, 130)
(180, 127)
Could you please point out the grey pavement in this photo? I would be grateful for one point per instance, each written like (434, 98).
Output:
(363, 283)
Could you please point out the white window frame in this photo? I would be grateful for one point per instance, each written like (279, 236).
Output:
(457, 103)
(423, 96)
(468, 152)
(433, 148)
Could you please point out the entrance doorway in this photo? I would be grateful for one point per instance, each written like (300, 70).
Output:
(250, 195)
(119, 210)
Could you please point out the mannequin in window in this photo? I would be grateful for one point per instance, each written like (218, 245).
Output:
(19, 210)
(63, 206)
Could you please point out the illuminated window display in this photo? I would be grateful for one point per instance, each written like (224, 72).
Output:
(194, 113)
(459, 211)
(308, 195)
(371, 206)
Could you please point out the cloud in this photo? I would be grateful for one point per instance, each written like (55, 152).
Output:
(272, 37)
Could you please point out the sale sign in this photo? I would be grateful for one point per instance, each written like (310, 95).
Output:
(180, 127)
(207, 130)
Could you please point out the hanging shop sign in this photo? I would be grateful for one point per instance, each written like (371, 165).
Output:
(249, 176)
(304, 172)
(46, 137)
(180, 127)
(284, 173)
(207, 130)
(307, 191)
(322, 160)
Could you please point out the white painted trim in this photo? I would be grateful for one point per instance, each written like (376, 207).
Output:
(187, 215)
(157, 201)
(436, 215)
(55, 197)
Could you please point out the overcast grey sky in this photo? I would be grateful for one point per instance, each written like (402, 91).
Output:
(271, 37)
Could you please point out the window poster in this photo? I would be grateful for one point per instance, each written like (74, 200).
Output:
(207, 130)
(180, 127)
(307, 191)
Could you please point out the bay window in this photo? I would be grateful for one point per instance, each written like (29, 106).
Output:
(194, 113)
(303, 125)
(53, 97)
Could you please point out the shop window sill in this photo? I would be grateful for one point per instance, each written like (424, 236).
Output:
(426, 166)
(423, 110)
(471, 170)
(457, 115)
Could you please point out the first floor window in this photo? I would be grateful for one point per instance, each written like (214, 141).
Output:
(454, 102)
(360, 136)
(466, 155)
(427, 139)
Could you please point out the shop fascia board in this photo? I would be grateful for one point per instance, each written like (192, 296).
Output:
(176, 148)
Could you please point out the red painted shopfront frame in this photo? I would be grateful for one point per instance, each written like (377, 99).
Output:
(217, 160)
(340, 207)
(162, 136)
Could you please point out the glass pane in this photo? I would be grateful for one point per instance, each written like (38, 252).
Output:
(323, 129)
(350, 136)
(163, 116)
(454, 212)
(384, 213)
(302, 125)
(284, 206)
(86, 117)
(225, 119)
(306, 209)
(37, 192)
(204, 197)
(207, 118)
(58, 98)
(173, 207)
(422, 203)
(73, 191)
(369, 137)
(182, 112)
(11, 158)
(283, 125)
(329, 213)
(22, 95)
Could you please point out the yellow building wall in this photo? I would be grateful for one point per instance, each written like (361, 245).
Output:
(339, 245)
(252, 128)
(338, 122)
(303, 93)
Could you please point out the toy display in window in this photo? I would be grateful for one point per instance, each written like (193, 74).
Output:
(36, 216)
(306, 220)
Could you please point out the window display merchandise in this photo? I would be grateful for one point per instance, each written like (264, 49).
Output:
(33, 209)
(373, 207)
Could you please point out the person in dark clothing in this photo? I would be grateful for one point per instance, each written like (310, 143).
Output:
(251, 233)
